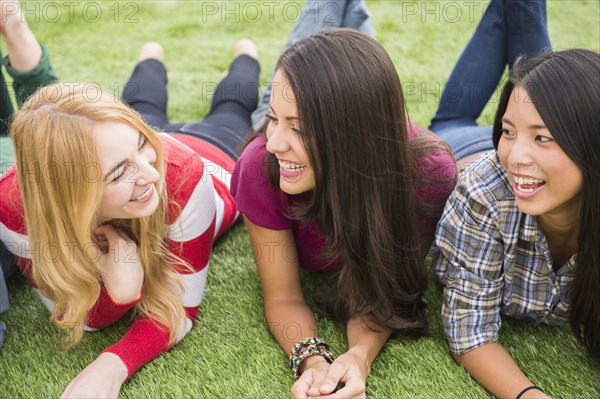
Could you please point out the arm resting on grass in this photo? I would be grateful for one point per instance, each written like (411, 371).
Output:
(289, 317)
(497, 372)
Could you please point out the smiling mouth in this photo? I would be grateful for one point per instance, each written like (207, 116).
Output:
(527, 184)
(291, 167)
(144, 195)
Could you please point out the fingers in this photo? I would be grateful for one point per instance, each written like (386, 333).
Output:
(110, 234)
(108, 231)
(301, 387)
(319, 377)
(334, 376)
(354, 388)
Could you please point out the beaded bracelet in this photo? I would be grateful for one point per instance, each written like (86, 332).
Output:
(306, 348)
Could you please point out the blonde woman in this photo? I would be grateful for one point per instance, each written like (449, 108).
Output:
(106, 216)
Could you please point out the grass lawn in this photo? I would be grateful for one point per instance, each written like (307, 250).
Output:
(230, 352)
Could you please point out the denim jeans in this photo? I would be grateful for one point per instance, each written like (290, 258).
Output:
(7, 269)
(316, 15)
(508, 29)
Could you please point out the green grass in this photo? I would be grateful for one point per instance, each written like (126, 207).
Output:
(230, 352)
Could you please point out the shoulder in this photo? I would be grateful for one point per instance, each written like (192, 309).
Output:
(250, 171)
(486, 181)
(432, 155)
(434, 176)
(184, 175)
(252, 164)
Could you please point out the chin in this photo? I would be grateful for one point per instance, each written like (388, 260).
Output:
(144, 213)
(292, 188)
(531, 209)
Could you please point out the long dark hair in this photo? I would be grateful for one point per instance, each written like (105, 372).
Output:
(354, 125)
(564, 87)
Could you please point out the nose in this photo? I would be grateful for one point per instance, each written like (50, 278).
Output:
(520, 158)
(146, 173)
(276, 141)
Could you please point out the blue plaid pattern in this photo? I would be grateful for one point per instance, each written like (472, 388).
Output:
(493, 259)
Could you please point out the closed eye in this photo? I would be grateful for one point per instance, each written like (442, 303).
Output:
(144, 143)
(117, 178)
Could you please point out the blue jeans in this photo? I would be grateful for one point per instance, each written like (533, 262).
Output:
(508, 29)
(7, 269)
(316, 15)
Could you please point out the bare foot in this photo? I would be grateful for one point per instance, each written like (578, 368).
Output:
(24, 51)
(152, 50)
(247, 47)
(11, 16)
(243, 46)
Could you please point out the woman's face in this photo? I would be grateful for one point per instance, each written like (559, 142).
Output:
(127, 162)
(545, 181)
(284, 139)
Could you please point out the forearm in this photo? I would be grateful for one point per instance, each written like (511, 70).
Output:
(495, 370)
(142, 343)
(290, 321)
(364, 343)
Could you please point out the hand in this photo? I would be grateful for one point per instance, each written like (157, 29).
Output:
(315, 368)
(101, 379)
(122, 270)
(320, 381)
(10, 15)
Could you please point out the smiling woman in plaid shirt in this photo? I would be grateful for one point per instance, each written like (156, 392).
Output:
(519, 235)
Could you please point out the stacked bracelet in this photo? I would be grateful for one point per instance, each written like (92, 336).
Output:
(306, 348)
(529, 388)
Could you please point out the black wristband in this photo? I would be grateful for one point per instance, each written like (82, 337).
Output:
(529, 388)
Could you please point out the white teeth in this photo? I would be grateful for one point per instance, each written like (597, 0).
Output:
(144, 195)
(521, 180)
(291, 166)
(525, 190)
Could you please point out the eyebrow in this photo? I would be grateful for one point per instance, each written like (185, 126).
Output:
(117, 166)
(289, 118)
(536, 127)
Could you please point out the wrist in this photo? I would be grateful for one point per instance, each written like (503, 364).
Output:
(114, 365)
(360, 355)
(305, 348)
(123, 295)
(531, 391)
(310, 362)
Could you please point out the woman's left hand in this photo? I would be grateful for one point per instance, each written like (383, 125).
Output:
(346, 370)
(101, 379)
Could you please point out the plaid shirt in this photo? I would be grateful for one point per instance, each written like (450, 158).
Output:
(492, 259)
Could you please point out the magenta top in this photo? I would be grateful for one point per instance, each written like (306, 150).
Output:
(267, 206)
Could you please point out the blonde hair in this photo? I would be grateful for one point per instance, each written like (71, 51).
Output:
(58, 165)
